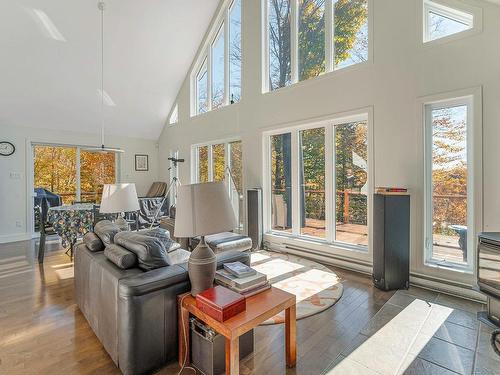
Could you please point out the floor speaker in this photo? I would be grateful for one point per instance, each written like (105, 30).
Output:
(254, 217)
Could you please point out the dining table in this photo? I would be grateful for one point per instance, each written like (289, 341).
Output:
(71, 222)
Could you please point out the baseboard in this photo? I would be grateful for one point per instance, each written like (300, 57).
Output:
(447, 287)
(6, 238)
(332, 260)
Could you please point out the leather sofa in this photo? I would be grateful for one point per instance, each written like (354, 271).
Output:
(134, 312)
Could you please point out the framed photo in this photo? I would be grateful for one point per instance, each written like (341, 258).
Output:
(141, 162)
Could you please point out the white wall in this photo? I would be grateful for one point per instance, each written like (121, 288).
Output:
(14, 191)
(402, 71)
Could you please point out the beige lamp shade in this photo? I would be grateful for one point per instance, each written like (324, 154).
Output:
(203, 209)
(119, 198)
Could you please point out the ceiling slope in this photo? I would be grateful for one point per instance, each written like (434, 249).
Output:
(50, 62)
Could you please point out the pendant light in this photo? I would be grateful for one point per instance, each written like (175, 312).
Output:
(101, 6)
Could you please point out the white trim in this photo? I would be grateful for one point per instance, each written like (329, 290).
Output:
(175, 110)
(443, 285)
(7, 238)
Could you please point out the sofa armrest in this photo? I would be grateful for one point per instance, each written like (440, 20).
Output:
(152, 281)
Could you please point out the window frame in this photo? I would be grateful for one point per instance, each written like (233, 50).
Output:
(330, 68)
(454, 10)
(203, 67)
(329, 122)
(220, 24)
(174, 111)
(472, 100)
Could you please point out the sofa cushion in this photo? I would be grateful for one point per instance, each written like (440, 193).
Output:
(150, 251)
(164, 236)
(93, 242)
(106, 231)
(120, 256)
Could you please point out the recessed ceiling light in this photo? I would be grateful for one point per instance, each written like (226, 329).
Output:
(48, 26)
(107, 99)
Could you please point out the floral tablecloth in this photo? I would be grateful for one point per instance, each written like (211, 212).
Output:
(71, 221)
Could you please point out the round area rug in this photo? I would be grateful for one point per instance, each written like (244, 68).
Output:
(315, 286)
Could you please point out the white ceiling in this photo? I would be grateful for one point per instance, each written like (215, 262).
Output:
(48, 83)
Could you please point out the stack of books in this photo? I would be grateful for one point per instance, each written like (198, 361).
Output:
(389, 190)
(242, 279)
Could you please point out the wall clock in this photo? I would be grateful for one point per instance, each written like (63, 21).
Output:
(7, 148)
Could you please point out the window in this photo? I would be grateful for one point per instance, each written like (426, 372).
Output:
(281, 182)
(218, 75)
(448, 204)
(218, 70)
(174, 116)
(329, 198)
(441, 21)
(235, 52)
(202, 89)
(222, 161)
(306, 38)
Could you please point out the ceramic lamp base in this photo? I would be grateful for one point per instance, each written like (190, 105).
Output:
(201, 268)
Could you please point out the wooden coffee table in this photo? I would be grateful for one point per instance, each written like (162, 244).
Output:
(260, 307)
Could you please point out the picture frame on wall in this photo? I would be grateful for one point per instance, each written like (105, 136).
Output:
(141, 162)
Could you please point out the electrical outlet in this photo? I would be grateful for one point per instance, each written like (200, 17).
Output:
(15, 175)
(19, 223)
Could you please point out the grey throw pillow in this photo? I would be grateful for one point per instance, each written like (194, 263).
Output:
(150, 251)
(93, 242)
(164, 236)
(121, 257)
(106, 231)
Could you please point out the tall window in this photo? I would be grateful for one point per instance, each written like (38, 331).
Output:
(202, 89)
(218, 70)
(306, 38)
(174, 116)
(222, 162)
(235, 52)
(448, 228)
(441, 21)
(218, 76)
(280, 68)
(332, 183)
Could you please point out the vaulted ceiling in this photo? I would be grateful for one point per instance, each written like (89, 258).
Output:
(50, 62)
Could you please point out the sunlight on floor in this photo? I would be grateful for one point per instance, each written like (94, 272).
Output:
(308, 284)
(396, 345)
(258, 257)
(276, 267)
(64, 271)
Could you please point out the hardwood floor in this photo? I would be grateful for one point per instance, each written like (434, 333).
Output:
(42, 330)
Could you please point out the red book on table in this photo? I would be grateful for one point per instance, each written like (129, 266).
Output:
(220, 303)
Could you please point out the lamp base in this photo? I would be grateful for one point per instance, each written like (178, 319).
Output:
(201, 268)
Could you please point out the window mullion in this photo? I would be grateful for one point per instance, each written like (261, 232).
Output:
(295, 183)
(210, 163)
(294, 44)
(265, 43)
(329, 184)
(332, 37)
(78, 176)
(209, 78)
(329, 45)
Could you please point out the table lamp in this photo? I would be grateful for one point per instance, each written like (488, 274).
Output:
(119, 198)
(203, 209)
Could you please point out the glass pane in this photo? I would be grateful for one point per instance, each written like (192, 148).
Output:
(236, 163)
(279, 44)
(203, 164)
(236, 183)
(235, 52)
(311, 38)
(350, 32)
(351, 180)
(202, 87)
(96, 169)
(218, 70)
(55, 170)
(174, 117)
(449, 184)
(281, 182)
(312, 177)
(441, 26)
(218, 162)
